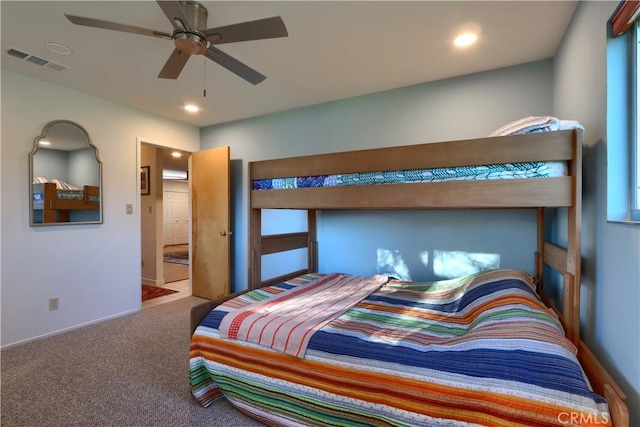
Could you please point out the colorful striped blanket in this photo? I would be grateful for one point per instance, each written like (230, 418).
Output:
(480, 350)
(287, 322)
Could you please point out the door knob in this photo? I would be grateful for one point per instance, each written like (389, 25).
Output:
(224, 233)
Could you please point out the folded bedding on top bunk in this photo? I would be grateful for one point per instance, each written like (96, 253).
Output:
(461, 173)
(60, 185)
(535, 124)
(482, 349)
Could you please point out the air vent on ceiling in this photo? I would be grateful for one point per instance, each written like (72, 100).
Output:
(37, 60)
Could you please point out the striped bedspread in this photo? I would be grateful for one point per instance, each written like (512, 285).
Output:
(287, 322)
(480, 350)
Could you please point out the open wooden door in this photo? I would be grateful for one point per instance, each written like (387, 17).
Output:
(210, 212)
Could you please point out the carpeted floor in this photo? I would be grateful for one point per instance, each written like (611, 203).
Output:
(129, 371)
(149, 292)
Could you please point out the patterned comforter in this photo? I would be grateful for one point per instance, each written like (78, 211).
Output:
(480, 350)
(457, 173)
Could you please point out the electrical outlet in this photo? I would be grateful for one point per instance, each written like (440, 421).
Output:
(53, 303)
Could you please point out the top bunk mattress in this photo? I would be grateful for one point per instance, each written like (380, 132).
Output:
(541, 169)
(461, 173)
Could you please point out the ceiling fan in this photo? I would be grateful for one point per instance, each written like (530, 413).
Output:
(191, 37)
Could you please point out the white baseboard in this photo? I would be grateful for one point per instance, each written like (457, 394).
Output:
(61, 331)
(152, 282)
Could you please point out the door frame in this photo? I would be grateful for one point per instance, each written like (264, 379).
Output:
(138, 211)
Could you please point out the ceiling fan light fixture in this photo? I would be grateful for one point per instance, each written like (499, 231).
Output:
(190, 43)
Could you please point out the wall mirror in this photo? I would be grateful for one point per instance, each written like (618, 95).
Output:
(65, 174)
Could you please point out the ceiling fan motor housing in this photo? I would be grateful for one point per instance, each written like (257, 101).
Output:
(192, 42)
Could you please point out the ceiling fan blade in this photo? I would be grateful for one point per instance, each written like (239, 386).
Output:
(174, 65)
(174, 12)
(233, 65)
(267, 28)
(97, 23)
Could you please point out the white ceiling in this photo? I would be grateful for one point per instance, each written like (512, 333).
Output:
(335, 50)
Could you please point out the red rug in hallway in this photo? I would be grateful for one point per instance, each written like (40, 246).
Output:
(149, 292)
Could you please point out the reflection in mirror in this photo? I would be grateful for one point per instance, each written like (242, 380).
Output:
(66, 177)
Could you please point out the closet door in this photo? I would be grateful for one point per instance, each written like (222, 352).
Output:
(210, 208)
(176, 217)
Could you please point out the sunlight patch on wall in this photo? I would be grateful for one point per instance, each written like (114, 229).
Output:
(424, 257)
(453, 264)
(391, 263)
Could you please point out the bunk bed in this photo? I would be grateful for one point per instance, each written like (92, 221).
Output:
(282, 389)
(55, 203)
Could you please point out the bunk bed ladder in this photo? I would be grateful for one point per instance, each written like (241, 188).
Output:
(263, 245)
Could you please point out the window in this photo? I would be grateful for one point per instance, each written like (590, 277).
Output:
(623, 114)
(635, 70)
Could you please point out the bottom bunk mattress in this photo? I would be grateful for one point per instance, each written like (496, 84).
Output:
(336, 350)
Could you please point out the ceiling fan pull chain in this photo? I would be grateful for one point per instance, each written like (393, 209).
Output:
(204, 78)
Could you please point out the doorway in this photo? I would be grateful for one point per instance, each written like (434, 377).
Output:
(165, 214)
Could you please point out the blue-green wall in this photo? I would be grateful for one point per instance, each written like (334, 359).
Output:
(465, 107)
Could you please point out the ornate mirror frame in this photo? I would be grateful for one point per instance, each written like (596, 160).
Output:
(59, 207)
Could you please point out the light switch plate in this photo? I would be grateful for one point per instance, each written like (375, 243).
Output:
(129, 209)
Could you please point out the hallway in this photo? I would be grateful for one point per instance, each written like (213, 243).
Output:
(182, 286)
(176, 277)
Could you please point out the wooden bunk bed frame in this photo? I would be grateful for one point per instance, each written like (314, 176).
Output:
(52, 204)
(536, 193)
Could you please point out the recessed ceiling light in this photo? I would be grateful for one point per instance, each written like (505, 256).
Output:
(465, 39)
(58, 48)
(176, 154)
(192, 108)
(44, 142)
